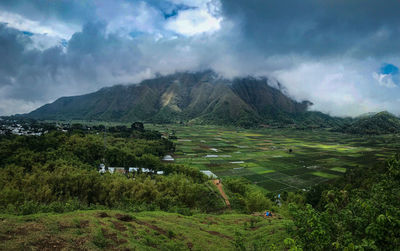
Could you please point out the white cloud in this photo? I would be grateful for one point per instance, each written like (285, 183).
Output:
(17, 106)
(341, 89)
(21, 23)
(44, 35)
(202, 19)
(385, 80)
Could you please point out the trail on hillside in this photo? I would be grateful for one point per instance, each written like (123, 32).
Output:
(221, 191)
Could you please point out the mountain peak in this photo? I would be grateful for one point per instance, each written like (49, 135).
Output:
(183, 96)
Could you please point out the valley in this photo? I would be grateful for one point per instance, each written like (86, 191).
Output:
(277, 160)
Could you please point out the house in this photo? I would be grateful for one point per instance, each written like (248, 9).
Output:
(209, 174)
(168, 158)
(102, 168)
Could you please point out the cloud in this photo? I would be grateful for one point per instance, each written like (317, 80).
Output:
(205, 18)
(317, 28)
(388, 76)
(34, 27)
(330, 52)
(194, 21)
(385, 80)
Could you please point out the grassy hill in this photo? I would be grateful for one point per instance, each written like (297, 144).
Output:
(117, 230)
(202, 97)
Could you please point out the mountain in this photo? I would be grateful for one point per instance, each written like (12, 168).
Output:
(379, 123)
(200, 97)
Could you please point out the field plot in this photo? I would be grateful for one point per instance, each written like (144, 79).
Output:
(277, 159)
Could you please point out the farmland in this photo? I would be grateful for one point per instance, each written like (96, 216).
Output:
(277, 159)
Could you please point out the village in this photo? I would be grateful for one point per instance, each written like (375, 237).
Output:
(134, 170)
(19, 128)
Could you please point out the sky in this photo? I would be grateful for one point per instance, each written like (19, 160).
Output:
(342, 55)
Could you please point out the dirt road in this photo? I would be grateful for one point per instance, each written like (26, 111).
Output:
(221, 191)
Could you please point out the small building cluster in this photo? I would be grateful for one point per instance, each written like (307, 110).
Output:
(13, 127)
(123, 170)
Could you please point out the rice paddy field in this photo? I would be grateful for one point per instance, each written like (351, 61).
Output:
(277, 159)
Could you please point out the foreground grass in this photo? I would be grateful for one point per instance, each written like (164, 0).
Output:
(117, 230)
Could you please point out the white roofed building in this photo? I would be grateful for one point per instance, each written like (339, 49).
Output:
(168, 158)
(209, 174)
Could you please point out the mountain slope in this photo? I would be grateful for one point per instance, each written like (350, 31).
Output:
(201, 97)
(380, 123)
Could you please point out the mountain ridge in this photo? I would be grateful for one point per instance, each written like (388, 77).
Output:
(198, 97)
(373, 123)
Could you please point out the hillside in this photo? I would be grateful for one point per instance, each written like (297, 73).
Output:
(202, 97)
(379, 123)
(117, 230)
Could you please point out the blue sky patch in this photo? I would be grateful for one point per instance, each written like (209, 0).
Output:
(389, 69)
(64, 43)
(27, 33)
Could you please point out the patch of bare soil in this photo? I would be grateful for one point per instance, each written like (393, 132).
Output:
(113, 237)
(84, 223)
(64, 225)
(119, 226)
(189, 245)
(15, 231)
(211, 220)
(49, 243)
(79, 244)
(154, 227)
(124, 217)
(218, 184)
(102, 215)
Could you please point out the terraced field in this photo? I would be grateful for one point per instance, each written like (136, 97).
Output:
(277, 159)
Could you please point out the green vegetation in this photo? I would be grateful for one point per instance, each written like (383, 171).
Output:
(58, 172)
(105, 230)
(277, 160)
(361, 212)
(380, 123)
(336, 193)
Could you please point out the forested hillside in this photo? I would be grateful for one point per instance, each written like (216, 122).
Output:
(379, 123)
(58, 171)
(359, 212)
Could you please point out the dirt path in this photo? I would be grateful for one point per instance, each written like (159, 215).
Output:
(221, 191)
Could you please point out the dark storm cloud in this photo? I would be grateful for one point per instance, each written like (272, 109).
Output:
(330, 52)
(91, 56)
(318, 28)
(12, 46)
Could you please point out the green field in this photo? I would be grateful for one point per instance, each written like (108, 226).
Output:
(262, 155)
(117, 230)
